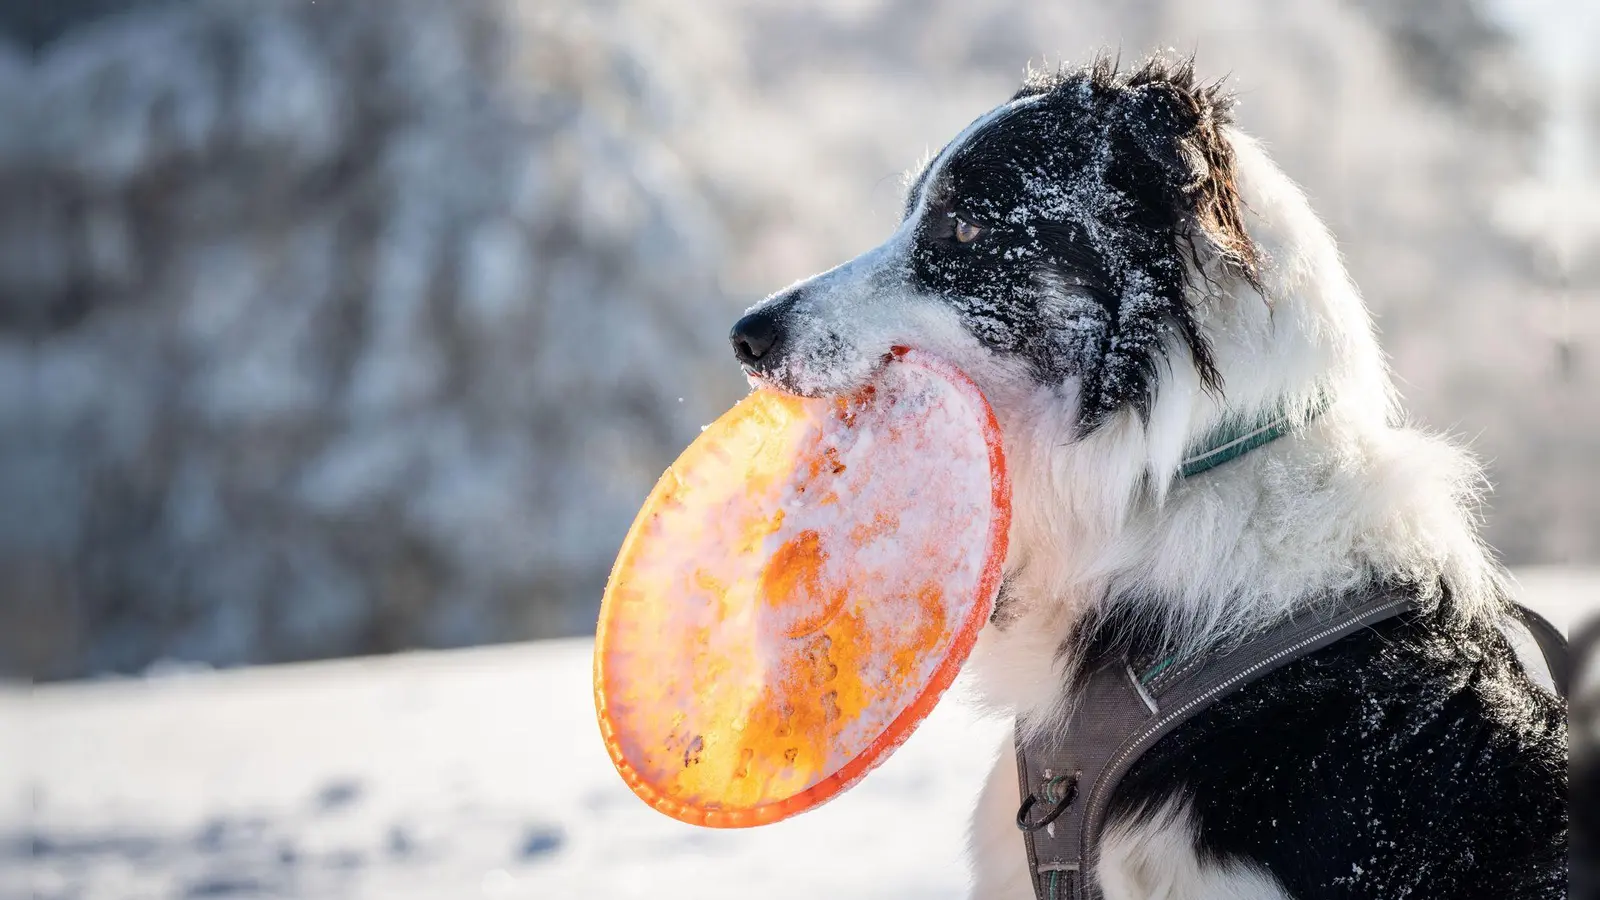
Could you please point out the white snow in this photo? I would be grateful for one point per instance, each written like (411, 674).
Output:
(475, 773)
(458, 774)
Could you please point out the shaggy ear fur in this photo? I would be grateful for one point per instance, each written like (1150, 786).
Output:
(1168, 218)
(1174, 125)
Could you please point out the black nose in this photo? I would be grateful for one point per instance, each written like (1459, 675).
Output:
(754, 336)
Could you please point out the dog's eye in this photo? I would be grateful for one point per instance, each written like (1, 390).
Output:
(966, 232)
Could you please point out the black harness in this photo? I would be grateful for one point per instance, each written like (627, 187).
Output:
(1067, 779)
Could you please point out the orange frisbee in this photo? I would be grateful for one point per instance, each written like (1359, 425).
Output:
(799, 589)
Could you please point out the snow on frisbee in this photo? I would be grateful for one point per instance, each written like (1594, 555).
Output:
(799, 589)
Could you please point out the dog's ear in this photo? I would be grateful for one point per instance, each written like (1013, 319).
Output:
(1171, 132)
(1156, 122)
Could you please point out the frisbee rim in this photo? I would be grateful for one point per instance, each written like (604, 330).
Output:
(905, 723)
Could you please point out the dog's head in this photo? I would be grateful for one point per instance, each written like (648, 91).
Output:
(1061, 238)
(1130, 280)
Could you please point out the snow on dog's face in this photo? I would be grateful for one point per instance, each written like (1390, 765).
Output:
(1060, 231)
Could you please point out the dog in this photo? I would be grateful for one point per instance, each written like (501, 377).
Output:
(1122, 272)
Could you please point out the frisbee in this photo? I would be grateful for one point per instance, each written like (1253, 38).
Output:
(799, 589)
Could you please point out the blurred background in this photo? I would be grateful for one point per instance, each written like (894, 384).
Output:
(338, 327)
(343, 327)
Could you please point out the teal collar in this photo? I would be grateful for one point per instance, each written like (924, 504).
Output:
(1235, 438)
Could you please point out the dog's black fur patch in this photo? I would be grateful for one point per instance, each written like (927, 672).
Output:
(1414, 759)
(1093, 193)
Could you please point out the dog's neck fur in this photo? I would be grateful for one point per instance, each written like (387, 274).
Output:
(1347, 500)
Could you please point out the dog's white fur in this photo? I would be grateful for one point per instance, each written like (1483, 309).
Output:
(1157, 861)
(1352, 496)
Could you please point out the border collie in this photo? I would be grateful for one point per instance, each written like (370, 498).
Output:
(1123, 272)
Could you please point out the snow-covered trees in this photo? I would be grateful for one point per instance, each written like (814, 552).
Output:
(338, 327)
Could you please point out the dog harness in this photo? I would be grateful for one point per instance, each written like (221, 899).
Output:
(1067, 778)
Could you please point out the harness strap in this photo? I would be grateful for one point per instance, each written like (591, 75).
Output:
(1067, 777)
(1552, 646)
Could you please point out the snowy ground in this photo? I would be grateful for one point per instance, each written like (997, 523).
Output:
(461, 774)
